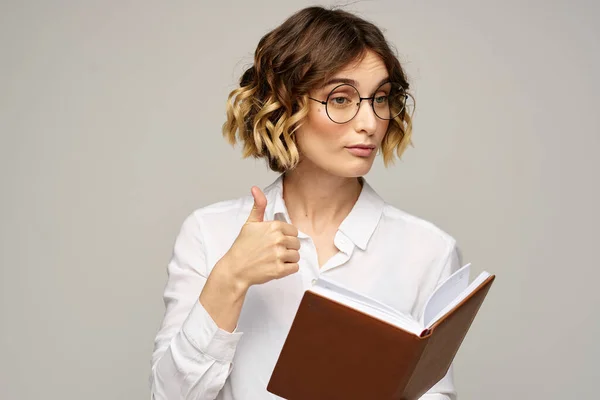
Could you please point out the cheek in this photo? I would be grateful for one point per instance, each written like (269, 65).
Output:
(382, 130)
(322, 125)
(319, 130)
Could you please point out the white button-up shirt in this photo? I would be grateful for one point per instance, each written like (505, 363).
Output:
(384, 253)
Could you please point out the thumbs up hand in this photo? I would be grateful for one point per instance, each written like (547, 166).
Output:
(260, 204)
(263, 250)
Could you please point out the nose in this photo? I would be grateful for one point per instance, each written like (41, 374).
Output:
(365, 120)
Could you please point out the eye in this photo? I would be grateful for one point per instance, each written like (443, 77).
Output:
(340, 100)
(381, 99)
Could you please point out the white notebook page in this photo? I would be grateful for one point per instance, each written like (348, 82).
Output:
(460, 297)
(445, 293)
(365, 304)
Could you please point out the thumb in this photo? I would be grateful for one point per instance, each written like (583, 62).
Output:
(260, 203)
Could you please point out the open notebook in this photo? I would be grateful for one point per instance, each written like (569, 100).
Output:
(443, 299)
(345, 345)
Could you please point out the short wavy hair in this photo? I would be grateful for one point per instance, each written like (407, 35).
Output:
(298, 56)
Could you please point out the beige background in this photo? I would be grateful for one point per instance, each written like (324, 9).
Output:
(110, 116)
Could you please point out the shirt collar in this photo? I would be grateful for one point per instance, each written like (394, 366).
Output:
(358, 226)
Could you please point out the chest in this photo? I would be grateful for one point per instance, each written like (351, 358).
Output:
(325, 248)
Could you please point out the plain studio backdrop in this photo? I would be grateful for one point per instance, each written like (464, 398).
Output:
(110, 123)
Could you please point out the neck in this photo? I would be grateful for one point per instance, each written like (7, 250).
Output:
(318, 201)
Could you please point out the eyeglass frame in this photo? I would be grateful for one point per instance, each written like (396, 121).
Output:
(360, 100)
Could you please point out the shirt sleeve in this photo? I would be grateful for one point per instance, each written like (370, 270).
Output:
(444, 389)
(192, 356)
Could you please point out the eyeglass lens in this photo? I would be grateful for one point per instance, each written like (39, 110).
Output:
(344, 101)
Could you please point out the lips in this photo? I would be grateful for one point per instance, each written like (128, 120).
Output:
(361, 150)
(361, 146)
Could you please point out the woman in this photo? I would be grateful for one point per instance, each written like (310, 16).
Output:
(324, 96)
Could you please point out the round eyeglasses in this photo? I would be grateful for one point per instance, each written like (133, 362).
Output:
(343, 102)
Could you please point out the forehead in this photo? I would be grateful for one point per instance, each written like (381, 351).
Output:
(365, 73)
(368, 63)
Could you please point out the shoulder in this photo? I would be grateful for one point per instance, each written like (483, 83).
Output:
(237, 209)
(214, 227)
(223, 212)
(416, 230)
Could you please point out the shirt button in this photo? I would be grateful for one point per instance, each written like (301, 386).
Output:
(314, 281)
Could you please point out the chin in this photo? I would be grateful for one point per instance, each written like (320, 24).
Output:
(352, 169)
(344, 166)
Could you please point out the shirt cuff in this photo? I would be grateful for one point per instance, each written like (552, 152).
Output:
(204, 334)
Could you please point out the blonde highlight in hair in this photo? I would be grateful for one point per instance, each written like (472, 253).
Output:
(296, 57)
(398, 136)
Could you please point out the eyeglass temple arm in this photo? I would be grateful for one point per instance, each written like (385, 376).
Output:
(318, 101)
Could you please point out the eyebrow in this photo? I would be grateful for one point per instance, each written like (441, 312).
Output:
(351, 81)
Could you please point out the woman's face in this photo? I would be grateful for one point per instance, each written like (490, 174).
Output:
(340, 149)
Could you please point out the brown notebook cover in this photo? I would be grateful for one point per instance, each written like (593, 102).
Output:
(335, 352)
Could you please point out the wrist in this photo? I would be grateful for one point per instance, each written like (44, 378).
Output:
(223, 296)
(225, 277)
